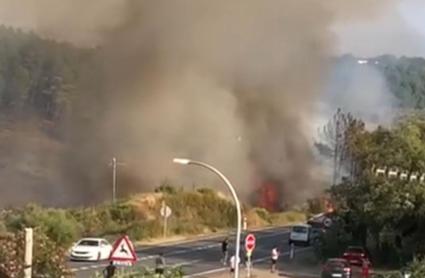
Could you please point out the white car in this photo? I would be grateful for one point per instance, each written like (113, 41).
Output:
(300, 234)
(91, 249)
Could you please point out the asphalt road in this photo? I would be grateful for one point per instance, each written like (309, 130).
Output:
(199, 257)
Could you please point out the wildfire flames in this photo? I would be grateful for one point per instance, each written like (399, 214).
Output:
(269, 197)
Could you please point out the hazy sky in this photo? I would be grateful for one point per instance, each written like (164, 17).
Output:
(400, 31)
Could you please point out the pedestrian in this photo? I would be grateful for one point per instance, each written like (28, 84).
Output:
(233, 262)
(365, 268)
(160, 265)
(224, 250)
(275, 256)
(109, 271)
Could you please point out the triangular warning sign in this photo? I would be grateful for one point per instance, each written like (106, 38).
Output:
(123, 251)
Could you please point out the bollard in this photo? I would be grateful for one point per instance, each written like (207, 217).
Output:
(292, 251)
(28, 252)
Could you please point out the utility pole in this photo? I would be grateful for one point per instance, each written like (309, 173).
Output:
(114, 165)
(28, 253)
(114, 179)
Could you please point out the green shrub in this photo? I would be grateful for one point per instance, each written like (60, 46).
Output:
(167, 188)
(122, 213)
(287, 217)
(263, 214)
(59, 225)
(332, 243)
(145, 229)
(49, 259)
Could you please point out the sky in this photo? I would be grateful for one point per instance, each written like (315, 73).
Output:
(399, 31)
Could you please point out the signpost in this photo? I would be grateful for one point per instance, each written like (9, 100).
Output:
(123, 252)
(165, 213)
(249, 248)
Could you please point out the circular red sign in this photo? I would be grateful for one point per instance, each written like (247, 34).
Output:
(250, 242)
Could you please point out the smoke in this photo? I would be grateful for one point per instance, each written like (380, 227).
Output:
(358, 87)
(232, 83)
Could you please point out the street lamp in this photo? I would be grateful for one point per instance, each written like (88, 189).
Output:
(185, 161)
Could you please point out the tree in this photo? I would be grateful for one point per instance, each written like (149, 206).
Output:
(337, 140)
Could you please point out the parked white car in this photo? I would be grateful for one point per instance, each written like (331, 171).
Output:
(91, 249)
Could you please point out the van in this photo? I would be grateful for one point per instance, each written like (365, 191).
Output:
(300, 234)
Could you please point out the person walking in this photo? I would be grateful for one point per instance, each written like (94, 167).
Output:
(160, 265)
(224, 250)
(109, 271)
(274, 257)
(233, 262)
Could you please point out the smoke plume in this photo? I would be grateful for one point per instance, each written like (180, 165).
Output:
(231, 83)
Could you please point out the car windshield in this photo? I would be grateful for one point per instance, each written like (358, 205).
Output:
(355, 250)
(299, 229)
(88, 243)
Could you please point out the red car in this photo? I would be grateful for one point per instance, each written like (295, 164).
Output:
(355, 255)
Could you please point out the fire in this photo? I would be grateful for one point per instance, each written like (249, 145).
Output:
(269, 196)
(329, 206)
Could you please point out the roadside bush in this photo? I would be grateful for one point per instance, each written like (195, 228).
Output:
(122, 213)
(332, 243)
(287, 217)
(417, 268)
(48, 257)
(263, 214)
(59, 225)
(167, 188)
(170, 272)
(145, 229)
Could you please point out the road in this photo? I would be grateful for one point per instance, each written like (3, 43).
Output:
(199, 257)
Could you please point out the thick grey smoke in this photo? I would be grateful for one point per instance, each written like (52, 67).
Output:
(232, 83)
(358, 87)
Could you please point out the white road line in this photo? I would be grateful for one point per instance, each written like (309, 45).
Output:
(145, 258)
(254, 261)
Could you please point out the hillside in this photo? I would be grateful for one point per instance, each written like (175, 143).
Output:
(48, 142)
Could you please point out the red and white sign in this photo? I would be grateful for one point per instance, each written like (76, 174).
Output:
(123, 251)
(250, 242)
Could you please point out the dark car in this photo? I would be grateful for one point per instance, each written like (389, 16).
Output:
(336, 268)
(355, 255)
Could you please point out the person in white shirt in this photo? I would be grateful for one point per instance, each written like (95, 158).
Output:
(233, 263)
(275, 257)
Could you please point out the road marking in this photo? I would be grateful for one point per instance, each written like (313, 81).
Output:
(145, 258)
(254, 261)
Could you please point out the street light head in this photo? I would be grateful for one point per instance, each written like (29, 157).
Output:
(183, 161)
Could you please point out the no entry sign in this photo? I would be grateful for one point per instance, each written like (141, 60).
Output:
(250, 243)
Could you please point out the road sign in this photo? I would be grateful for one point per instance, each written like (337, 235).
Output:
(165, 211)
(250, 243)
(123, 251)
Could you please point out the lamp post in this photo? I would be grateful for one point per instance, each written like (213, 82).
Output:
(185, 161)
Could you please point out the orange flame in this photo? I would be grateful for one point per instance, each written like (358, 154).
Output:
(268, 196)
